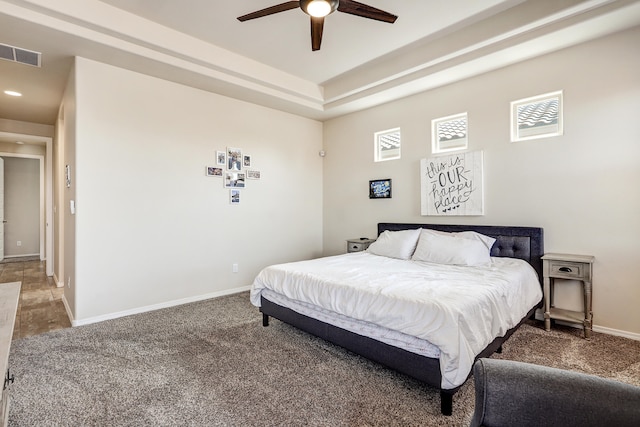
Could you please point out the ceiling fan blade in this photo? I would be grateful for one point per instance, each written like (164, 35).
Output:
(282, 7)
(317, 25)
(365, 11)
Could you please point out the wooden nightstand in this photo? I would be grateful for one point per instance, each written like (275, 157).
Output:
(570, 267)
(359, 244)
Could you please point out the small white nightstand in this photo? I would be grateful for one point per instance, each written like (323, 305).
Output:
(571, 267)
(359, 244)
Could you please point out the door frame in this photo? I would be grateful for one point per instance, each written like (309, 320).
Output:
(46, 195)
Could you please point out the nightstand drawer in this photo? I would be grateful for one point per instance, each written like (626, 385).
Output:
(571, 270)
(357, 246)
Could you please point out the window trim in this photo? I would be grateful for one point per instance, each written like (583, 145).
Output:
(436, 147)
(516, 133)
(377, 146)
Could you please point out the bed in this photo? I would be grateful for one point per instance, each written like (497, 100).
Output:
(369, 313)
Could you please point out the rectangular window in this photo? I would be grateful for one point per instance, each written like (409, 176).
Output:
(537, 117)
(449, 133)
(387, 145)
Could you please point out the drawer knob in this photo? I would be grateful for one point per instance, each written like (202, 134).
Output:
(565, 269)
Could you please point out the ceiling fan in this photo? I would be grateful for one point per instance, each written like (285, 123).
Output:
(318, 9)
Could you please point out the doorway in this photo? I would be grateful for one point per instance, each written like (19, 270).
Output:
(9, 149)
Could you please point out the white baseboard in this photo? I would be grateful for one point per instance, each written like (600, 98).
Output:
(154, 307)
(58, 283)
(67, 308)
(22, 256)
(596, 328)
(617, 332)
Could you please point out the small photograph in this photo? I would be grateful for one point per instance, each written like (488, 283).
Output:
(221, 158)
(234, 159)
(380, 189)
(253, 174)
(246, 161)
(214, 171)
(234, 197)
(234, 180)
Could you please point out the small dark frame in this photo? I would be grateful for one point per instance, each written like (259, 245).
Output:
(380, 189)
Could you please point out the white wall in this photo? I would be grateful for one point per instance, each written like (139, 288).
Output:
(581, 187)
(151, 228)
(64, 153)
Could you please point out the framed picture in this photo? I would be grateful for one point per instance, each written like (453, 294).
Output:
(380, 189)
(213, 171)
(449, 133)
(253, 174)
(234, 197)
(234, 159)
(221, 158)
(452, 185)
(234, 180)
(537, 117)
(246, 161)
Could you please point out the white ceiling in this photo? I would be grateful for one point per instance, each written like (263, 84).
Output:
(283, 40)
(269, 60)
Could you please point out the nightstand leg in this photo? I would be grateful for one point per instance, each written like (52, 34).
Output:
(547, 304)
(588, 312)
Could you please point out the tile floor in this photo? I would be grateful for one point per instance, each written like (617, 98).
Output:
(40, 308)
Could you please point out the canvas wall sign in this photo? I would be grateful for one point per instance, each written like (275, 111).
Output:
(452, 185)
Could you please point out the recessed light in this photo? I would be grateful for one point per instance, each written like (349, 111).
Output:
(19, 142)
(12, 93)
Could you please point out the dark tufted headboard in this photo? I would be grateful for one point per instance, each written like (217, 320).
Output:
(525, 243)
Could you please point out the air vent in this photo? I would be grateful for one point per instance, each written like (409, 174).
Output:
(22, 56)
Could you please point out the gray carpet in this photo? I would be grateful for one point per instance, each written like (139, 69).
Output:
(212, 364)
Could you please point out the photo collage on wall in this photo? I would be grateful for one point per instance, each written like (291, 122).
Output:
(234, 168)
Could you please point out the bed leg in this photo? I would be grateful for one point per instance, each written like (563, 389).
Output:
(499, 350)
(265, 320)
(446, 403)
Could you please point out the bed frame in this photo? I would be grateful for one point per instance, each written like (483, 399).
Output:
(513, 242)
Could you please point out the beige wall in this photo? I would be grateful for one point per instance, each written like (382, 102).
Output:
(26, 128)
(65, 223)
(581, 187)
(151, 229)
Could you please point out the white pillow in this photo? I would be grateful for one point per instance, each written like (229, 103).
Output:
(486, 240)
(472, 235)
(451, 250)
(395, 244)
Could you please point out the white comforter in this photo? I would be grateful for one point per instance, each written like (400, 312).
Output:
(459, 309)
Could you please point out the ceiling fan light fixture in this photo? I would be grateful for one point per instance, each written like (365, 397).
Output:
(319, 8)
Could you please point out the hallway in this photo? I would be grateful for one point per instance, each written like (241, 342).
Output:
(40, 308)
